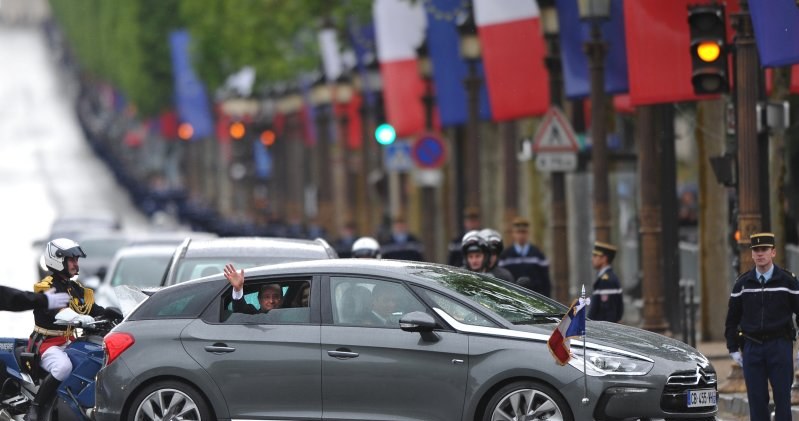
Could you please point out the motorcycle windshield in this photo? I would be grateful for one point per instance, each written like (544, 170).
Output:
(129, 298)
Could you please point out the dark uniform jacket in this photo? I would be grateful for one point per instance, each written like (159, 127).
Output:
(15, 300)
(455, 256)
(532, 264)
(607, 302)
(410, 249)
(46, 333)
(502, 273)
(762, 311)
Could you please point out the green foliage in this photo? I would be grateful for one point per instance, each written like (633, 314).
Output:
(125, 42)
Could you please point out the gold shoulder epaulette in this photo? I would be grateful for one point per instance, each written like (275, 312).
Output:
(43, 285)
(605, 277)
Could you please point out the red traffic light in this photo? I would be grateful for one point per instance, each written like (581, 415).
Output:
(237, 130)
(267, 138)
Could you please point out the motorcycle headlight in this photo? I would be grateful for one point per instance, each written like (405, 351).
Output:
(603, 363)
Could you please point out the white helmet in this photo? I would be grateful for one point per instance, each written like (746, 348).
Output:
(57, 251)
(366, 247)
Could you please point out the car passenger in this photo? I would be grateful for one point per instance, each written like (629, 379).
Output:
(385, 304)
(270, 296)
(302, 299)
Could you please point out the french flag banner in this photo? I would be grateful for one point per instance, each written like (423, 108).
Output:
(572, 325)
(776, 24)
(574, 34)
(399, 29)
(449, 68)
(513, 52)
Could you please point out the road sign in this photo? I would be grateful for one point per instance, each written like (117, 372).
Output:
(429, 151)
(397, 156)
(555, 134)
(556, 161)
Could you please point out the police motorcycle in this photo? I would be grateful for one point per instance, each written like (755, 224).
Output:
(21, 375)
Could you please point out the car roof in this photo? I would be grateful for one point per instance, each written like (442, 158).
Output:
(378, 267)
(145, 250)
(257, 246)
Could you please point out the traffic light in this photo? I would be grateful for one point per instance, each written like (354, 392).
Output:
(708, 49)
(385, 134)
(237, 130)
(185, 131)
(267, 137)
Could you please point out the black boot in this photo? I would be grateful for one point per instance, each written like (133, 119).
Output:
(46, 393)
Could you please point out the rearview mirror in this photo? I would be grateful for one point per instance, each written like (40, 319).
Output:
(417, 321)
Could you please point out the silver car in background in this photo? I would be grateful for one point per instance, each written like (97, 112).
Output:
(386, 340)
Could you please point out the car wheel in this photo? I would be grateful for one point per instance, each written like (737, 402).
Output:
(526, 401)
(166, 400)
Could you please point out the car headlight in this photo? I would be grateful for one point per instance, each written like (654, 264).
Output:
(603, 363)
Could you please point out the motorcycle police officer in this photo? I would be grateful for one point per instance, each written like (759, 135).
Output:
(494, 242)
(475, 252)
(606, 301)
(759, 329)
(49, 339)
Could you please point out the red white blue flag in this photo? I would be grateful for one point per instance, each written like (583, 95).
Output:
(572, 325)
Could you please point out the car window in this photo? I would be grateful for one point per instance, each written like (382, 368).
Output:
(178, 302)
(140, 271)
(280, 302)
(370, 302)
(459, 311)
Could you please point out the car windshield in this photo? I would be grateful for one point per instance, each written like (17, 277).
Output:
(515, 304)
(140, 271)
(192, 268)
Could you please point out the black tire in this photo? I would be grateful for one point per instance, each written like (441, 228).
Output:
(169, 397)
(543, 401)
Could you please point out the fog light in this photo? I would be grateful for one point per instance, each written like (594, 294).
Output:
(621, 389)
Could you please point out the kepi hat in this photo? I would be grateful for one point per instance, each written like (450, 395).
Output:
(604, 249)
(762, 239)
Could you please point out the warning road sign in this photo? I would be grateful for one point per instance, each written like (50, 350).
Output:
(555, 134)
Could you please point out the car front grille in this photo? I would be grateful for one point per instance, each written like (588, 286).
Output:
(679, 383)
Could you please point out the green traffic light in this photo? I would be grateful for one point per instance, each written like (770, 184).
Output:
(385, 134)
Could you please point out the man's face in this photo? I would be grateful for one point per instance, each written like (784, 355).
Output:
(72, 266)
(763, 256)
(471, 224)
(520, 236)
(306, 294)
(474, 260)
(270, 298)
(384, 304)
(598, 261)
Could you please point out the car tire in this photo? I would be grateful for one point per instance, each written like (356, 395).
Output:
(530, 399)
(169, 397)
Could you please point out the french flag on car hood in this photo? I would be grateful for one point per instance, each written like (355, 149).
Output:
(572, 325)
(513, 52)
(399, 29)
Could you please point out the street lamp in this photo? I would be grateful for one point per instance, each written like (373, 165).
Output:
(560, 260)
(596, 12)
(470, 150)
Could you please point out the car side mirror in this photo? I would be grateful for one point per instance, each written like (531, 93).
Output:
(417, 321)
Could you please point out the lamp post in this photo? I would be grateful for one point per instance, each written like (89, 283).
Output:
(560, 257)
(470, 50)
(371, 85)
(595, 12)
(425, 67)
(344, 165)
(321, 97)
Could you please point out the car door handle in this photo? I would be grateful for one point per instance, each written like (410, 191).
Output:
(219, 348)
(342, 355)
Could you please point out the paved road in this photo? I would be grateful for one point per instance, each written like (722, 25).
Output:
(46, 166)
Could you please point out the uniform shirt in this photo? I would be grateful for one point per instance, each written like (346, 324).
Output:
(15, 300)
(607, 302)
(529, 261)
(762, 308)
(402, 247)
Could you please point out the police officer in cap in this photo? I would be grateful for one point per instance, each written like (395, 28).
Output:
(523, 259)
(759, 329)
(606, 301)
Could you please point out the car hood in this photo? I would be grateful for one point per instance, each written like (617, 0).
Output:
(630, 339)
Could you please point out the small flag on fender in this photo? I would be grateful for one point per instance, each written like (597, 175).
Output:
(572, 325)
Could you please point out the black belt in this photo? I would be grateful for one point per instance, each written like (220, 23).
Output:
(764, 337)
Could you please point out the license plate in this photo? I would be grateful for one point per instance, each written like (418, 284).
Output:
(701, 397)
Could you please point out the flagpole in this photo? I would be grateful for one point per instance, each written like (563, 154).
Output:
(585, 353)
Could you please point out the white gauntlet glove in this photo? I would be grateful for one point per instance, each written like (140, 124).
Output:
(737, 357)
(56, 300)
(84, 319)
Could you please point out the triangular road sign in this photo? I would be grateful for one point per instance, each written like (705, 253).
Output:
(555, 134)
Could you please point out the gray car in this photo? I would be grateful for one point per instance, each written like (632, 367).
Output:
(386, 340)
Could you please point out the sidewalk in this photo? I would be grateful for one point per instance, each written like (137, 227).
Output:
(732, 406)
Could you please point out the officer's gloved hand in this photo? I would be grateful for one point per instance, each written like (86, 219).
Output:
(84, 319)
(56, 300)
(737, 357)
